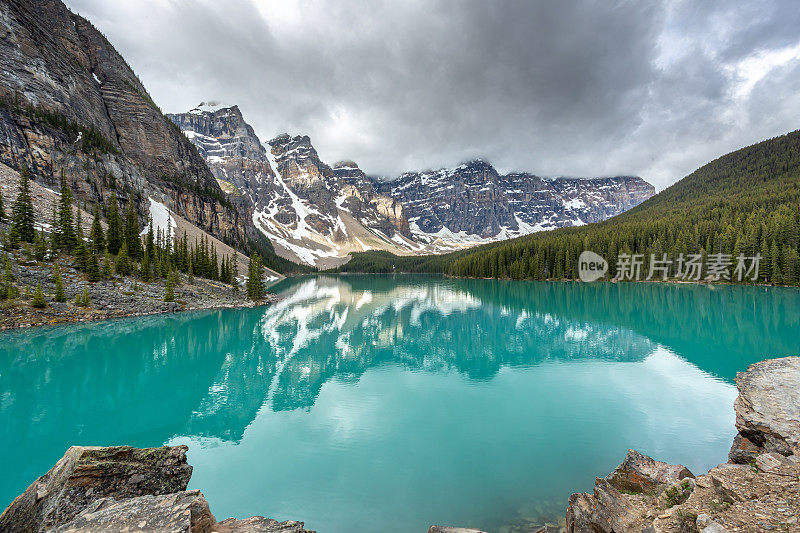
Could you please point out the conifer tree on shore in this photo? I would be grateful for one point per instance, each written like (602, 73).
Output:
(60, 295)
(255, 281)
(169, 293)
(114, 236)
(22, 215)
(132, 238)
(123, 265)
(38, 297)
(97, 237)
(64, 230)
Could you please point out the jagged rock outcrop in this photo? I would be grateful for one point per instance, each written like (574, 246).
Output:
(71, 104)
(607, 509)
(231, 149)
(647, 495)
(768, 410)
(474, 202)
(120, 488)
(366, 204)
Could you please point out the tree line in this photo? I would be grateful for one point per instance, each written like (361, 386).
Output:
(746, 203)
(122, 248)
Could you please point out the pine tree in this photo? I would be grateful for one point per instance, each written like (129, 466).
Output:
(190, 271)
(97, 236)
(107, 270)
(150, 242)
(145, 270)
(64, 230)
(132, 238)
(22, 217)
(123, 261)
(40, 246)
(114, 236)
(2, 209)
(235, 271)
(38, 297)
(60, 295)
(82, 299)
(9, 289)
(255, 282)
(169, 293)
(92, 266)
(78, 230)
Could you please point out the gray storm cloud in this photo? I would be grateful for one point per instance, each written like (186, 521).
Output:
(582, 88)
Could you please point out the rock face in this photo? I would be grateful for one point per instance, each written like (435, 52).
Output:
(474, 202)
(86, 474)
(69, 103)
(120, 488)
(768, 409)
(647, 495)
(231, 149)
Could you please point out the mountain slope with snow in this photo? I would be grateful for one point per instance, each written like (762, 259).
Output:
(310, 214)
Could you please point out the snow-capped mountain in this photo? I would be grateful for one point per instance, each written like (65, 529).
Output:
(317, 214)
(310, 213)
(474, 203)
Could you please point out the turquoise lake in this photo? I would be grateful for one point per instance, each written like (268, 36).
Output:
(390, 403)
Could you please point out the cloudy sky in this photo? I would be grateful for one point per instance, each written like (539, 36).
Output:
(581, 88)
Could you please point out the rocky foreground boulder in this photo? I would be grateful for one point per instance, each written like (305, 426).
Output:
(767, 410)
(120, 488)
(758, 490)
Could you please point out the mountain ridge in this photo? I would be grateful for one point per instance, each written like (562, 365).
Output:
(317, 213)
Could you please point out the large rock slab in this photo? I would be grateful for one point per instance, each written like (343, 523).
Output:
(88, 473)
(180, 512)
(768, 409)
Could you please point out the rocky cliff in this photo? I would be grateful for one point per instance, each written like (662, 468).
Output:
(474, 203)
(71, 105)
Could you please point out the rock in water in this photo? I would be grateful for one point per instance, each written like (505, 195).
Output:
(768, 409)
(88, 473)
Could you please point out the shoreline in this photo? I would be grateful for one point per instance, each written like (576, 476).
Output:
(112, 298)
(93, 316)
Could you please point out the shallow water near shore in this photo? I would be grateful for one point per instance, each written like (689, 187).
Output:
(390, 403)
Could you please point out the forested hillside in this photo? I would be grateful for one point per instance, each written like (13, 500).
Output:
(744, 203)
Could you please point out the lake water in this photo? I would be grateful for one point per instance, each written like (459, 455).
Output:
(390, 403)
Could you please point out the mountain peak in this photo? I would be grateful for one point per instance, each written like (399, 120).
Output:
(213, 106)
(346, 164)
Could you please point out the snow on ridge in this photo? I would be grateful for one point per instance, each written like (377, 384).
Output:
(162, 219)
